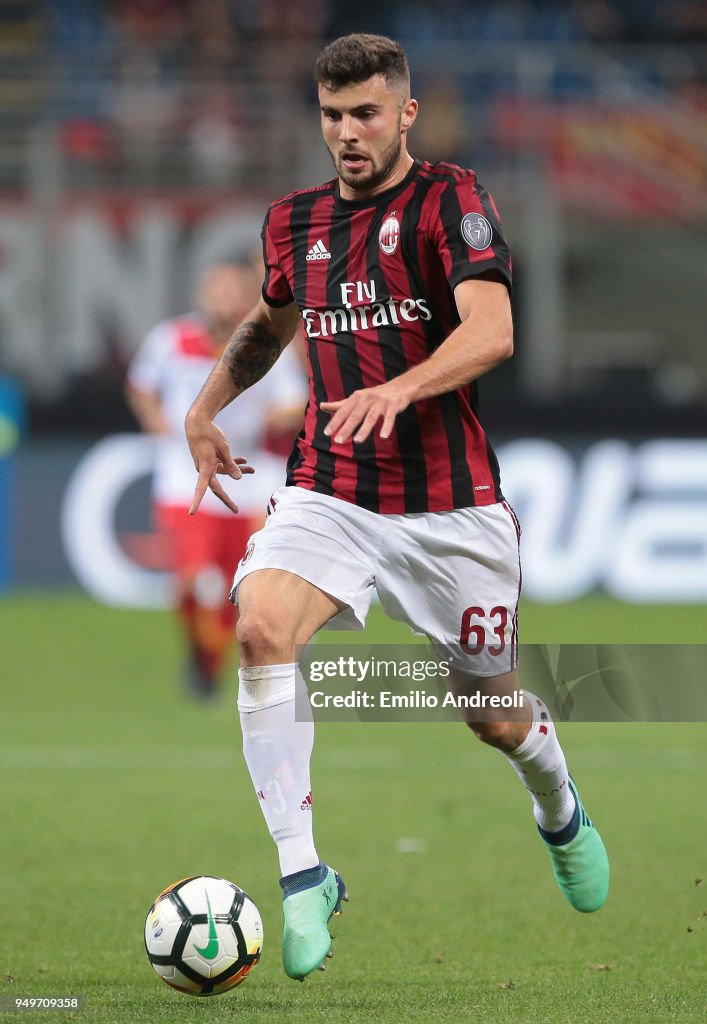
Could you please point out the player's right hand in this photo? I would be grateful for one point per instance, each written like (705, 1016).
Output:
(212, 457)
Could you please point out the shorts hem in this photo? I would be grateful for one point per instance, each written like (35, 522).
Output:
(348, 618)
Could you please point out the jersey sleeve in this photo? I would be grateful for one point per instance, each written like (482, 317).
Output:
(146, 370)
(466, 230)
(276, 288)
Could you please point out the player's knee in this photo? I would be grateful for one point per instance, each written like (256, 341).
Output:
(497, 734)
(259, 636)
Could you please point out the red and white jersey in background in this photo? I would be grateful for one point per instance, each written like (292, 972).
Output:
(174, 360)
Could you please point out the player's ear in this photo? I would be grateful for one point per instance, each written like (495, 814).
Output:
(409, 115)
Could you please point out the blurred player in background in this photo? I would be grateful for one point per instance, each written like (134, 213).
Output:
(173, 362)
(401, 274)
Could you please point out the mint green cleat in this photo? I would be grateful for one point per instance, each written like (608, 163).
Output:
(580, 864)
(310, 899)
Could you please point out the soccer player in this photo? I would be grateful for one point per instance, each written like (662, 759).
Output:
(173, 362)
(399, 271)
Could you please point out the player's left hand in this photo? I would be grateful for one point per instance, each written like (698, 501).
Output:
(357, 415)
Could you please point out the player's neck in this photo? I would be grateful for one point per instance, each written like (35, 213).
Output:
(394, 178)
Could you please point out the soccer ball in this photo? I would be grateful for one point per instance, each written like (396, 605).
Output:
(203, 935)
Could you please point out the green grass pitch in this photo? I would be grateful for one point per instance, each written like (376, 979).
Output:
(113, 785)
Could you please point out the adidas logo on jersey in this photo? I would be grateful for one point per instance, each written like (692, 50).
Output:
(319, 252)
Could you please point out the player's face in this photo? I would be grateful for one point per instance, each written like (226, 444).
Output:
(226, 293)
(364, 127)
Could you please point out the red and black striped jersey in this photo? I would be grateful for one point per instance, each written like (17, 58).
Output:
(373, 280)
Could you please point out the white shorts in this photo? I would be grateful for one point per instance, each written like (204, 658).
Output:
(452, 576)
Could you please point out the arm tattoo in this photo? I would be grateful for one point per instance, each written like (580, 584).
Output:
(250, 353)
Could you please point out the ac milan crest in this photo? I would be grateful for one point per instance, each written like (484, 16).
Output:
(389, 234)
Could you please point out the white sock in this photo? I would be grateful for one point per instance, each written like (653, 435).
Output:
(277, 749)
(542, 768)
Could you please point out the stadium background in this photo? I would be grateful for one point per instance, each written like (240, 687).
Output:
(138, 140)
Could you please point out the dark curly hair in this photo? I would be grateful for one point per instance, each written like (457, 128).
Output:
(357, 57)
